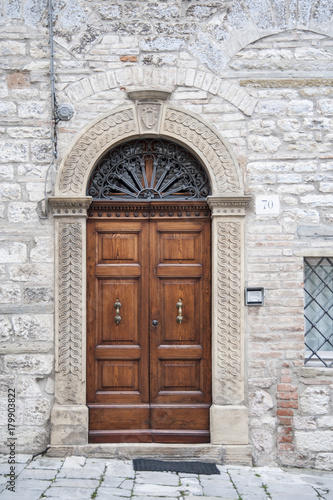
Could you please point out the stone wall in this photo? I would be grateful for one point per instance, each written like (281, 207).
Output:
(263, 77)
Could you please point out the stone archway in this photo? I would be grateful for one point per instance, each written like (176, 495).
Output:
(69, 419)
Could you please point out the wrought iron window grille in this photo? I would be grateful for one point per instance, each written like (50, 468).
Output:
(318, 311)
(148, 169)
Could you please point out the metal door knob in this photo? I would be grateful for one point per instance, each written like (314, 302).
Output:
(155, 322)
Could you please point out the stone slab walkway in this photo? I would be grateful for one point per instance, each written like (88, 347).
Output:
(102, 479)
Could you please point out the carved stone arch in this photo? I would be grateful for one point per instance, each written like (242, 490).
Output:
(173, 123)
(228, 416)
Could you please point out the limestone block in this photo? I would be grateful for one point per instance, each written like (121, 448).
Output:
(10, 294)
(37, 294)
(161, 11)
(7, 108)
(34, 109)
(33, 327)
(43, 251)
(28, 132)
(9, 191)
(289, 124)
(326, 187)
(325, 422)
(304, 423)
(209, 53)
(162, 43)
(6, 172)
(36, 411)
(13, 151)
(38, 273)
(300, 107)
(33, 11)
(200, 12)
(12, 48)
(262, 439)
(314, 441)
(111, 12)
(325, 107)
(315, 400)
(324, 461)
(264, 421)
(6, 329)
(35, 190)
(260, 403)
(28, 387)
(23, 212)
(12, 251)
(41, 151)
(39, 49)
(69, 425)
(317, 200)
(29, 364)
(263, 144)
(272, 107)
(229, 424)
(6, 382)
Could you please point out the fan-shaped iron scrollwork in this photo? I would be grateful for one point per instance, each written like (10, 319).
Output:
(148, 169)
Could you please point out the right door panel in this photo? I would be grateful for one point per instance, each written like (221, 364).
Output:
(180, 378)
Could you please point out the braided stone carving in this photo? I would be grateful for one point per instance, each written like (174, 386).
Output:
(70, 300)
(88, 148)
(202, 137)
(229, 311)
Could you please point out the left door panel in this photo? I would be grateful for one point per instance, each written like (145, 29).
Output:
(117, 357)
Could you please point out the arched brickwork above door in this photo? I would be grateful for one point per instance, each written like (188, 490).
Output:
(169, 122)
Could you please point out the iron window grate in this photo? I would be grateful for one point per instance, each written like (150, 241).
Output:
(318, 311)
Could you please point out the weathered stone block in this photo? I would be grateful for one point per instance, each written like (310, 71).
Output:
(31, 272)
(33, 327)
(10, 294)
(324, 461)
(315, 400)
(6, 329)
(260, 403)
(314, 441)
(12, 48)
(22, 212)
(13, 251)
(41, 151)
(14, 151)
(34, 109)
(27, 387)
(43, 251)
(37, 411)
(28, 363)
(37, 294)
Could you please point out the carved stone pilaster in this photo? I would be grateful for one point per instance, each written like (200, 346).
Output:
(228, 413)
(70, 320)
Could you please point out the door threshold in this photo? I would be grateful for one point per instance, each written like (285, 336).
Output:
(220, 454)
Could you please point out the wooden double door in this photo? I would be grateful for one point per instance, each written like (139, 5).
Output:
(148, 323)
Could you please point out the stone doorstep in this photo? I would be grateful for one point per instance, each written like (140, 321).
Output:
(220, 454)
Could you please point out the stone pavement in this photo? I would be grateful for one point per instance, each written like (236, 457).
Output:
(103, 479)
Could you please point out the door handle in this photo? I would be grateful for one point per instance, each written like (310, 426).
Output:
(180, 311)
(117, 305)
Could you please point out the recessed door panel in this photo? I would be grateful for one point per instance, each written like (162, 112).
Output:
(125, 293)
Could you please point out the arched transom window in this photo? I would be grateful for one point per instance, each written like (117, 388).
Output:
(148, 169)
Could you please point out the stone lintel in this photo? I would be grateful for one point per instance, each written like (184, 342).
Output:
(69, 425)
(229, 425)
(228, 205)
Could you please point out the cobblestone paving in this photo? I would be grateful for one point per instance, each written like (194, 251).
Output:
(88, 478)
